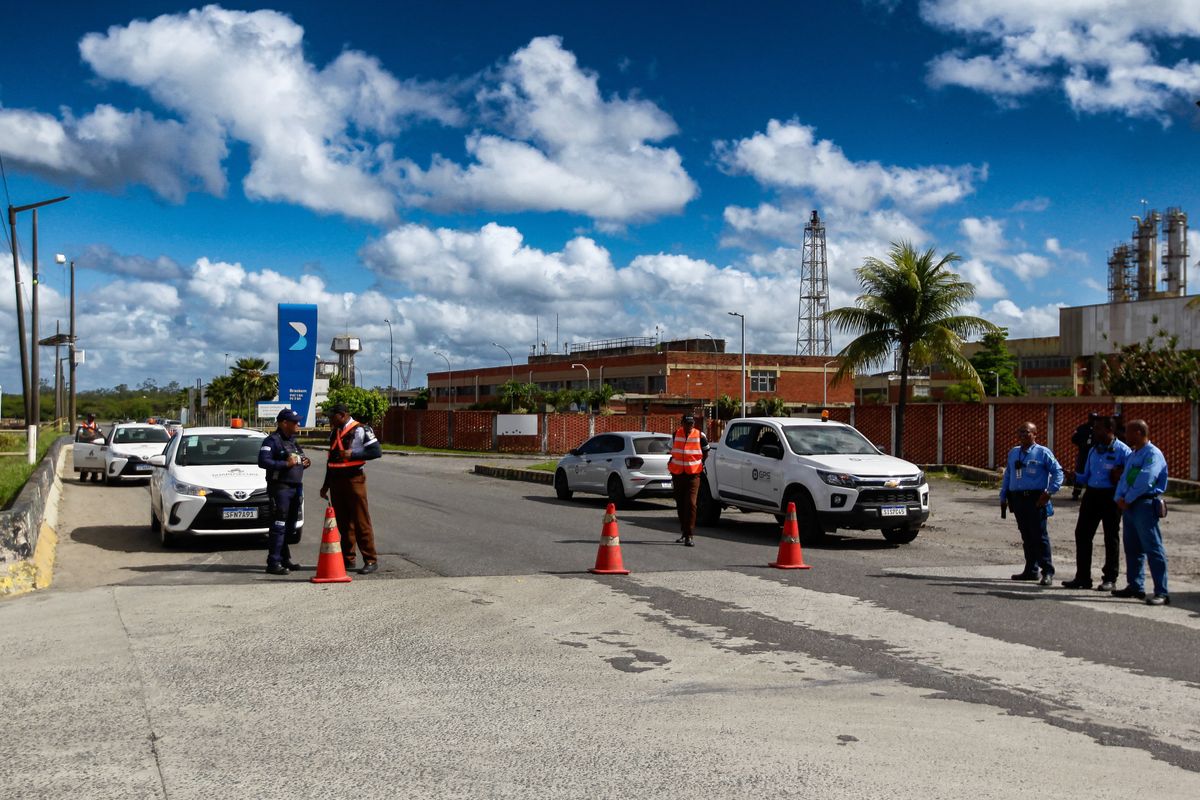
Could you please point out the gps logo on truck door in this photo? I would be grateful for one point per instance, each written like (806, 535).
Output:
(758, 474)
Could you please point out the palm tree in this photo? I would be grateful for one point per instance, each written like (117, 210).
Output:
(909, 303)
(252, 381)
(221, 392)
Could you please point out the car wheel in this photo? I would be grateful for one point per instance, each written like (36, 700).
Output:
(155, 525)
(167, 538)
(83, 476)
(901, 535)
(616, 492)
(708, 510)
(811, 531)
(562, 489)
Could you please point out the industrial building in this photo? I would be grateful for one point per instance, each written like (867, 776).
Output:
(653, 377)
(1146, 294)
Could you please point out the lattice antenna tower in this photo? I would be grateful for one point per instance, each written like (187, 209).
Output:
(405, 368)
(812, 328)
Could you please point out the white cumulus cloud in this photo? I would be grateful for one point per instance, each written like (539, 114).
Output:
(1104, 55)
(561, 146)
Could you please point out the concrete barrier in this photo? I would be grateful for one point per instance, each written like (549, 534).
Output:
(515, 474)
(27, 528)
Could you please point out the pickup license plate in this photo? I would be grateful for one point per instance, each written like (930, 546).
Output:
(893, 511)
(143, 467)
(239, 513)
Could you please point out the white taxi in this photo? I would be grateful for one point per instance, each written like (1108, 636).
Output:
(127, 451)
(209, 482)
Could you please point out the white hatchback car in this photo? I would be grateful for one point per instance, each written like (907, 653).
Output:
(209, 482)
(621, 465)
(124, 454)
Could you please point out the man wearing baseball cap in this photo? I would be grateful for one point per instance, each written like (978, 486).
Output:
(284, 460)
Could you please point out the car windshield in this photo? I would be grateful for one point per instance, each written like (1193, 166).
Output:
(822, 440)
(652, 445)
(206, 450)
(155, 435)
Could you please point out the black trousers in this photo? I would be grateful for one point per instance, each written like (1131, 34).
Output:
(1097, 508)
(285, 511)
(1035, 536)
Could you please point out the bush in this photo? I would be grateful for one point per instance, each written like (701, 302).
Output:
(366, 405)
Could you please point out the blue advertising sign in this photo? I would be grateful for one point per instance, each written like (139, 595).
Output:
(298, 359)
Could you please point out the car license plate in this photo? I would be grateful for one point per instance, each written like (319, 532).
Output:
(239, 513)
(893, 511)
(143, 467)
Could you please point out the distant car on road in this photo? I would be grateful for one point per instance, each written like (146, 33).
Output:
(621, 465)
(208, 482)
(87, 454)
(123, 455)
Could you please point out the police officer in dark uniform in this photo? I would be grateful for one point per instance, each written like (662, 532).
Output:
(285, 462)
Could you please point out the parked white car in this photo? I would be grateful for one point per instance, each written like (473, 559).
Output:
(87, 454)
(621, 465)
(833, 474)
(209, 482)
(123, 455)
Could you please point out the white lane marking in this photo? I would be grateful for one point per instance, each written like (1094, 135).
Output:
(1105, 694)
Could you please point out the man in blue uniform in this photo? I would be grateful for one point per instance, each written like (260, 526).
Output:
(1138, 495)
(285, 462)
(1100, 472)
(1032, 476)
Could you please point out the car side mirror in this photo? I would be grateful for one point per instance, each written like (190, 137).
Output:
(771, 451)
(159, 460)
(97, 441)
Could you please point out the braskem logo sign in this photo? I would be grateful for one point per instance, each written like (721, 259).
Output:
(298, 359)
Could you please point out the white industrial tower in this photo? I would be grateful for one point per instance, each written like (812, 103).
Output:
(812, 328)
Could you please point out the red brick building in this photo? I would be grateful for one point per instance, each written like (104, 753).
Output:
(654, 378)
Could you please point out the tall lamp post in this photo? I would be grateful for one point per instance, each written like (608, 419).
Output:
(59, 258)
(588, 373)
(512, 371)
(743, 319)
(446, 358)
(391, 365)
(30, 379)
(825, 382)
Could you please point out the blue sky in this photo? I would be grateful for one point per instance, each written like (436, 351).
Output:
(471, 170)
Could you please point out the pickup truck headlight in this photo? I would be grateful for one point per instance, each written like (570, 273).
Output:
(921, 478)
(190, 490)
(837, 478)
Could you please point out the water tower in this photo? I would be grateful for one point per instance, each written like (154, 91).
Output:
(346, 347)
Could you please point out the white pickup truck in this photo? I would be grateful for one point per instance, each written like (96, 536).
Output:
(833, 474)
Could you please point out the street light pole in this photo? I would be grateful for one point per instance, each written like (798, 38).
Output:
(587, 372)
(30, 379)
(825, 382)
(512, 371)
(449, 375)
(59, 258)
(743, 318)
(391, 365)
(714, 341)
(997, 377)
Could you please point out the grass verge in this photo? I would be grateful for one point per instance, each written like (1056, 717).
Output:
(543, 466)
(14, 472)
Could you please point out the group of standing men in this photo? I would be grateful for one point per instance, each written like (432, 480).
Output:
(1122, 483)
(351, 445)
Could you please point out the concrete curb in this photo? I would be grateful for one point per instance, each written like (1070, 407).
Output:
(973, 474)
(28, 537)
(515, 474)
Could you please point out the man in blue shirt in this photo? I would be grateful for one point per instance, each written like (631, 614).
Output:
(1032, 476)
(1138, 495)
(284, 460)
(1100, 472)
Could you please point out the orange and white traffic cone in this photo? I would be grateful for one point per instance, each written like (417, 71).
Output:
(790, 555)
(330, 567)
(608, 556)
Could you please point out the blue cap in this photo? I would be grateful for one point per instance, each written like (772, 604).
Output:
(287, 415)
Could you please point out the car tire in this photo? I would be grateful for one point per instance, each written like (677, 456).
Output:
(562, 489)
(901, 535)
(83, 476)
(155, 524)
(708, 510)
(168, 539)
(811, 531)
(616, 492)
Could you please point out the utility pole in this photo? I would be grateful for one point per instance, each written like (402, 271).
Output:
(30, 380)
(743, 318)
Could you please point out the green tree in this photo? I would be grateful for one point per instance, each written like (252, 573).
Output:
(221, 393)
(252, 382)
(1154, 368)
(994, 357)
(770, 407)
(728, 407)
(366, 405)
(909, 307)
(963, 392)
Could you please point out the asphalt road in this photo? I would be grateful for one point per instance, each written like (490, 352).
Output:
(483, 661)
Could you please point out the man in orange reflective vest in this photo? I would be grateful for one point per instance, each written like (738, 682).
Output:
(351, 445)
(688, 452)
